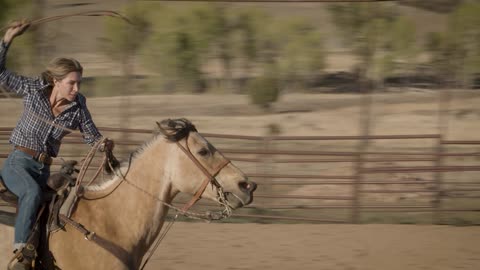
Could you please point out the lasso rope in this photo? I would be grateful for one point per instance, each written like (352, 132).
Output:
(207, 216)
(97, 13)
(86, 163)
(100, 13)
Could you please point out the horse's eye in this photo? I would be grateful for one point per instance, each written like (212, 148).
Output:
(203, 152)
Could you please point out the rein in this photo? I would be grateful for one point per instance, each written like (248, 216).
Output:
(86, 163)
(116, 250)
(210, 177)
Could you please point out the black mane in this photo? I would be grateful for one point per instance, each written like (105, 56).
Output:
(175, 129)
(171, 129)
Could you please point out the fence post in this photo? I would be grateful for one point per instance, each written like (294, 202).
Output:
(443, 110)
(437, 201)
(365, 123)
(268, 158)
(265, 163)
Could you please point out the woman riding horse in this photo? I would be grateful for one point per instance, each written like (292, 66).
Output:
(53, 107)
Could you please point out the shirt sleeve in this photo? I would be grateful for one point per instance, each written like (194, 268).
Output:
(87, 127)
(13, 82)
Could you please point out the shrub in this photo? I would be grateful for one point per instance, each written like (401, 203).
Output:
(263, 91)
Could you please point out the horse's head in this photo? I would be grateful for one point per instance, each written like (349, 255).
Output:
(205, 171)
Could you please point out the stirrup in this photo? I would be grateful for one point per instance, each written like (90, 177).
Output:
(23, 259)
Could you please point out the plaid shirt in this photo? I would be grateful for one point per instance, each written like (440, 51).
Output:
(34, 129)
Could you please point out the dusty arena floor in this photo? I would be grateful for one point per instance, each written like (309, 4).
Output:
(203, 246)
(346, 247)
(311, 247)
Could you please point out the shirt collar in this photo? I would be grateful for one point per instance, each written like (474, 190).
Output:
(45, 90)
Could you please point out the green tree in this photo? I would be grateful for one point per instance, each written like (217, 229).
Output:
(4, 10)
(122, 43)
(181, 44)
(455, 53)
(264, 91)
(437, 45)
(249, 27)
(124, 40)
(464, 32)
(363, 27)
(401, 51)
(187, 41)
(222, 45)
(301, 55)
(22, 57)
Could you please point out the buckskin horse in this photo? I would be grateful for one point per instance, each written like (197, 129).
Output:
(126, 211)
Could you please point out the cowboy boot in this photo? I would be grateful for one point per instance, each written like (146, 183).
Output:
(23, 259)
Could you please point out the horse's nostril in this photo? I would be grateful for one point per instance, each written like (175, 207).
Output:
(244, 185)
(254, 186)
(247, 186)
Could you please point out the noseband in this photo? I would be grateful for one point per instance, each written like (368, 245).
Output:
(210, 178)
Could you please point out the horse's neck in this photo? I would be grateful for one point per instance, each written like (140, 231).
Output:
(133, 212)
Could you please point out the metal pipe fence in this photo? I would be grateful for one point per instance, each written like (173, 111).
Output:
(293, 196)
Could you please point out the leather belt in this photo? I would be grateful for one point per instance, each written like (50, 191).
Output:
(38, 156)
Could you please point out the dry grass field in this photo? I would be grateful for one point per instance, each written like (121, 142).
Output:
(407, 112)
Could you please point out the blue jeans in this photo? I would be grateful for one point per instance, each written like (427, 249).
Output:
(26, 178)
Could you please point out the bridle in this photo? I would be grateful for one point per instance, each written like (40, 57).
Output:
(210, 177)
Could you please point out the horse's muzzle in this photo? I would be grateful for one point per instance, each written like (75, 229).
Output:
(246, 197)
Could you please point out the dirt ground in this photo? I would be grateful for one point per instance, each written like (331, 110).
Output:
(203, 246)
(269, 246)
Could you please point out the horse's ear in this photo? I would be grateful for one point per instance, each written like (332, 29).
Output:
(175, 129)
(158, 125)
(157, 130)
(163, 127)
(166, 126)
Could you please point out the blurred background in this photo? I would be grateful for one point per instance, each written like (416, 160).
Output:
(342, 112)
(208, 47)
